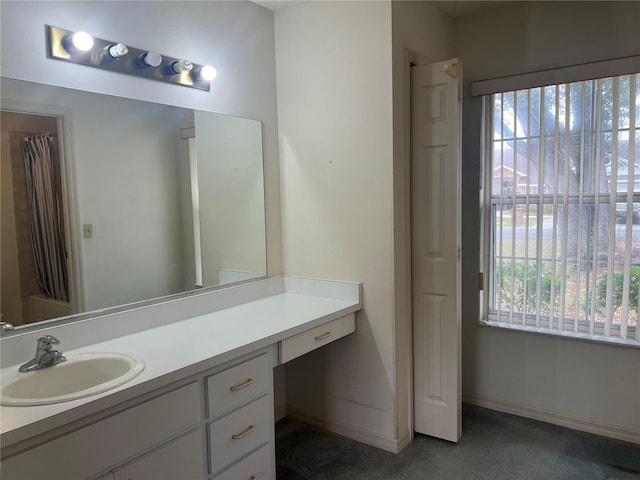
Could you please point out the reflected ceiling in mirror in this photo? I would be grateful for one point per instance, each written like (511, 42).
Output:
(155, 200)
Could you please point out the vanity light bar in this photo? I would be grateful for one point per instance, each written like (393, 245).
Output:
(76, 47)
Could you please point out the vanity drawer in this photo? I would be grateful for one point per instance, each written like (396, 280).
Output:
(240, 432)
(238, 384)
(257, 466)
(305, 342)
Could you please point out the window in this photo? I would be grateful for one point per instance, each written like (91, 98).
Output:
(561, 208)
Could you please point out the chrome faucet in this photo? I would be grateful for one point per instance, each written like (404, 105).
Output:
(5, 327)
(45, 357)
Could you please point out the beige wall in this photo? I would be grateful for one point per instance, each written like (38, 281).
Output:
(343, 79)
(555, 379)
(336, 152)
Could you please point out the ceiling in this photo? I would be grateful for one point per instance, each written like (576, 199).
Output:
(459, 9)
(453, 8)
(277, 4)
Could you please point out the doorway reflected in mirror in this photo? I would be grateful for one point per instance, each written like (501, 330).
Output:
(157, 200)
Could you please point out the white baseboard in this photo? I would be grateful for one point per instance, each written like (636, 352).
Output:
(392, 445)
(589, 426)
(404, 441)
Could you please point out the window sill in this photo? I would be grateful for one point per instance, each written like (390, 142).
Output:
(630, 342)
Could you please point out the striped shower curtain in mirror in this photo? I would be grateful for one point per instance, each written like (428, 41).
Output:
(45, 215)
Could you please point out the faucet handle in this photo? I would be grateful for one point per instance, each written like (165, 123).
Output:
(6, 326)
(46, 341)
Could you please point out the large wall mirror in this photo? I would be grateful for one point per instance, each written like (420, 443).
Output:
(109, 201)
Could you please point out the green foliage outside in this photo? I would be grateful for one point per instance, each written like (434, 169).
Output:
(618, 290)
(524, 296)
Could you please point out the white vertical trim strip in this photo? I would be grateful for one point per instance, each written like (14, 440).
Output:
(556, 181)
(487, 245)
(633, 92)
(564, 248)
(514, 211)
(541, 185)
(502, 199)
(581, 212)
(613, 187)
(628, 244)
(528, 211)
(596, 208)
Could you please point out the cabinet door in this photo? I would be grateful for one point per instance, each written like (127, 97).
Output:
(101, 445)
(181, 459)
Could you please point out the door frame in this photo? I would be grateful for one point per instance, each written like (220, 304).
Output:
(69, 192)
(403, 311)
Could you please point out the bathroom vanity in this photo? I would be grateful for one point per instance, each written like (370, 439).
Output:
(202, 408)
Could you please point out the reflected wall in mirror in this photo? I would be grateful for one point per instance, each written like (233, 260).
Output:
(155, 200)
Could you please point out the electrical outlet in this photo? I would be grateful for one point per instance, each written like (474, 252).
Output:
(87, 228)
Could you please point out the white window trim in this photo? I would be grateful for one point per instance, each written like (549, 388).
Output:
(568, 74)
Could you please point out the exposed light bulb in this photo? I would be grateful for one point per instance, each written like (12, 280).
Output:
(82, 41)
(117, 50)
(151, 59)
(208, 73)
(181, 66)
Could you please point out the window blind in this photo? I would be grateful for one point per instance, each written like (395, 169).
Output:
(562, 208)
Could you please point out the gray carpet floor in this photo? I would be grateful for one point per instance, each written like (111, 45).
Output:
(493, 446)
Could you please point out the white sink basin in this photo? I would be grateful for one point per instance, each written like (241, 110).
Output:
(80, 376)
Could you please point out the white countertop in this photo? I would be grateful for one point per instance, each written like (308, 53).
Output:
(183, 348)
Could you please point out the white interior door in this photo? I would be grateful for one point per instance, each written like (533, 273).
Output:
(435, 238)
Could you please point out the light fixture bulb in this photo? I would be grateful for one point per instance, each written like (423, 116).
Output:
(117, 50)
(208, 73)
(82, 41)
(151, 59)
(181, 66)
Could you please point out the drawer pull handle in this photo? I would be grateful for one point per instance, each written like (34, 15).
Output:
(244, 433)
(253, 477)
(244, 384)
(323, 336)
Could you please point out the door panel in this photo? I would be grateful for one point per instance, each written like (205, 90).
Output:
(435, 238)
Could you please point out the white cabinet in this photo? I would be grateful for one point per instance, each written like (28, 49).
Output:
(180, 459)
(240, 407)
(98, 447)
